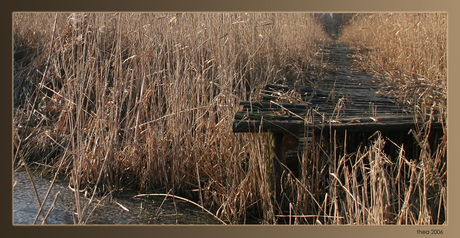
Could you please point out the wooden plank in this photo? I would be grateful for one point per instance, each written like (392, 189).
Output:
(274, 126)
(270, 115)
(277, 111)
(342, 117)
(268, 105)
(300, 126)
(363, 109)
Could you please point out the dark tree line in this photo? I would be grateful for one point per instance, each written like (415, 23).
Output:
(334, 22)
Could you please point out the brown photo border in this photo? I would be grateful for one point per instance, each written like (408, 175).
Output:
(130, 231)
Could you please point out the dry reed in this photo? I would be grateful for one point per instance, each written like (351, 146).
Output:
(408, 51)
(353, 179)
(148, 100)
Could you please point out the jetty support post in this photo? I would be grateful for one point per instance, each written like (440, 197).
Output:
(278, 157)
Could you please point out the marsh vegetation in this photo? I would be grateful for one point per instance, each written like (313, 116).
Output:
(146, 101)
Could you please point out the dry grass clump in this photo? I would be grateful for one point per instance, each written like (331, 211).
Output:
(408, 50)
(370, 179)
(368, 185)
(148, 100)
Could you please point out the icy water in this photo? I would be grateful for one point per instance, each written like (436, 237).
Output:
(122, 209)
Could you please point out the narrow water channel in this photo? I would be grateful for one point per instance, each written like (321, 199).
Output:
(121, 209)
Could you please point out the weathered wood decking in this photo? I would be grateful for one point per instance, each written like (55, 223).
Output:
(347, 106)
(338, 100)
(341, 99)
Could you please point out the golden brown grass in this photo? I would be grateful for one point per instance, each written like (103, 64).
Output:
(148, 100)
(408, 51)
(367, 186)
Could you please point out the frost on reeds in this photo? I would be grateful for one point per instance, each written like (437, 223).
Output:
(147, 100)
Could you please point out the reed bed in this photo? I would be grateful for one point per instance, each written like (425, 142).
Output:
(147, 100)
(407, 51)
(368, 185)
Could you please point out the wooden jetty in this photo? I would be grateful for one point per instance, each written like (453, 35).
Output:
(345, 107)
(290, 113)
(341, 100)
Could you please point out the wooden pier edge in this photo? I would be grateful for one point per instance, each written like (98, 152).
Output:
(300, 126)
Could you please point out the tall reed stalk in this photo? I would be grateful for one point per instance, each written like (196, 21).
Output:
(148, 99)
(408, 51)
